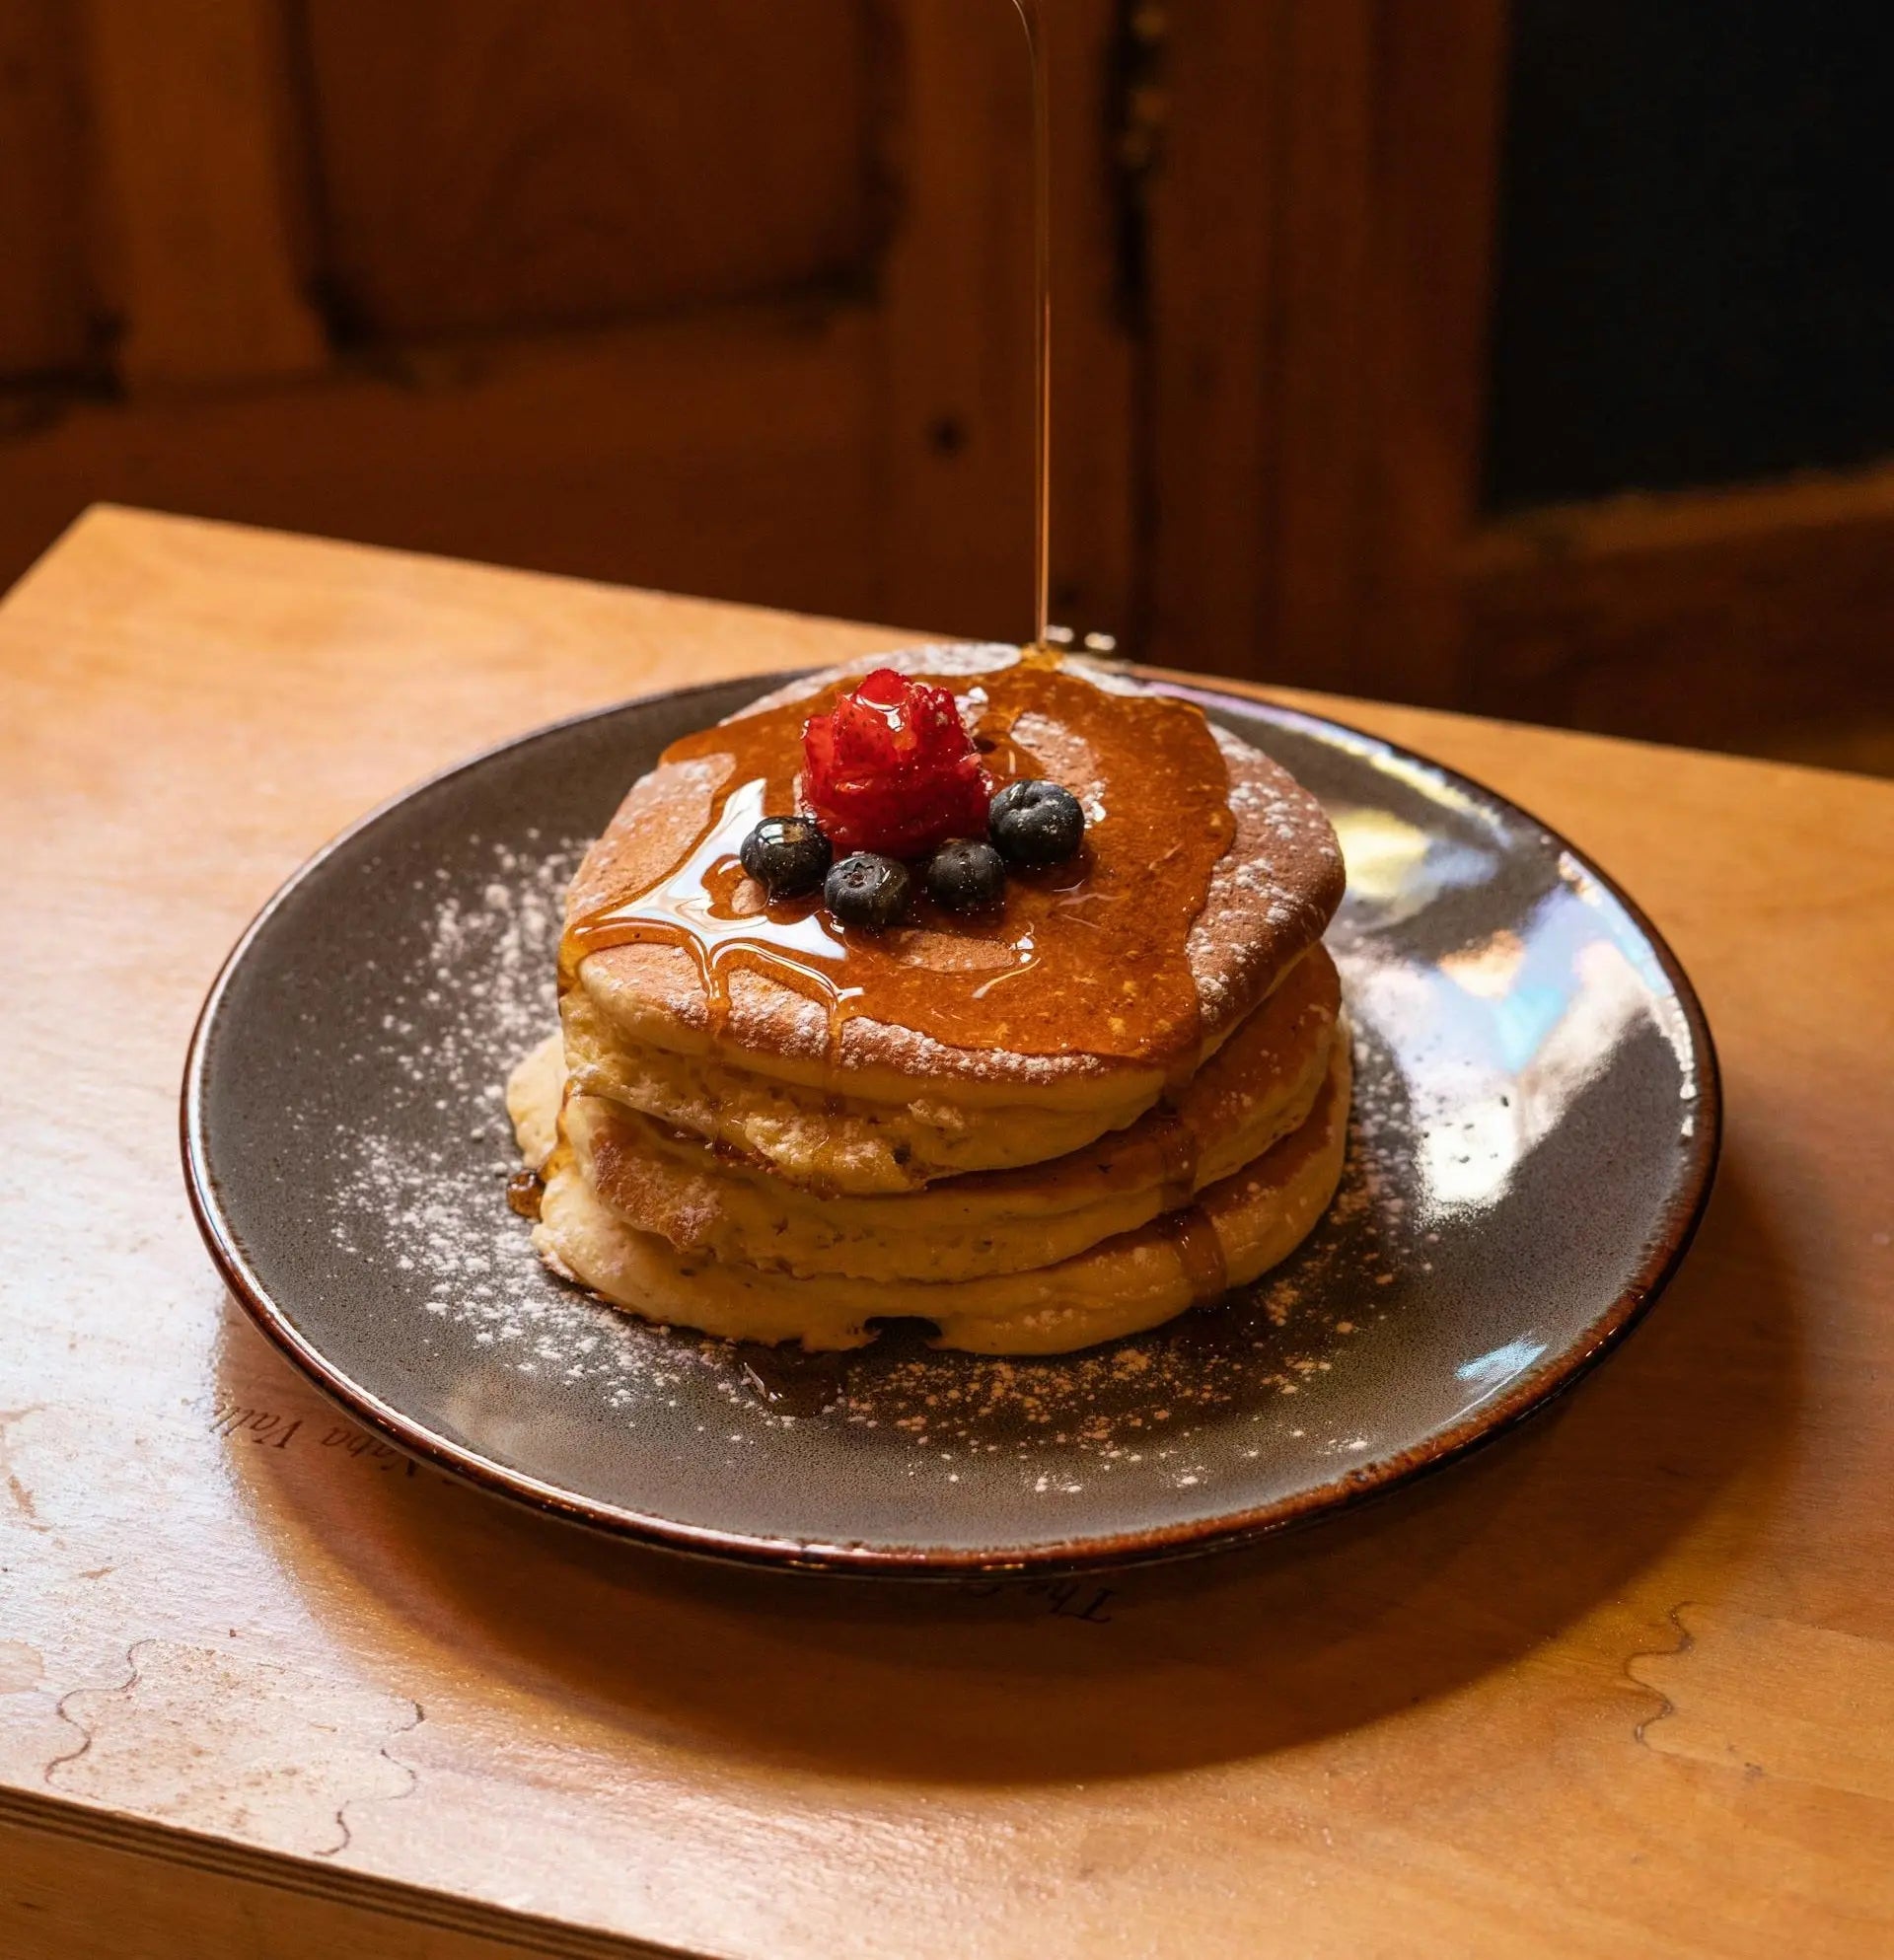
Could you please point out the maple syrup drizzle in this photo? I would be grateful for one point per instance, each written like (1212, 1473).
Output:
(1177, 1154)
(1198, 1251)
(710, 908)
(523, 1190)
(1088, 958)
(1034, 24)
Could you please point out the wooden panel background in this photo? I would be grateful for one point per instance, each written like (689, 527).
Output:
(499, 164)
(733, 299)
(198, 254)
(1754, 618)
(729, 299)
(43, 186)
(1320, 238)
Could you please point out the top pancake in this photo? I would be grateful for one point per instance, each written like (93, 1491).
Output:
(1269, 897)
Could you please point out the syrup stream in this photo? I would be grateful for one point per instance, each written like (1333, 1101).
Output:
(1199, 1252)
(1032, 20)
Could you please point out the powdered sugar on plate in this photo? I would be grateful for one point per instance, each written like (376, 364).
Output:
(481, 993)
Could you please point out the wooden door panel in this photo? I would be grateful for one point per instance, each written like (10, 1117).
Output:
(1322, 230)
(44, 300)
(1320, 238)
(502, 164)
(1756, 617)
(201, 257)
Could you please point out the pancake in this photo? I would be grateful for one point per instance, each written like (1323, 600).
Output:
(834, 1141)
(1257, 1089)
(1268, 899)
(1133, 1280)
(1119, 1088)
(534, 1091)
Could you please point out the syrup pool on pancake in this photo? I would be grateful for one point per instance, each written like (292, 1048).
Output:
(787, 1110)
(1096, 942)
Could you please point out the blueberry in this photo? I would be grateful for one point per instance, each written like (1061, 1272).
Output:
(964, 874)
(1037, 823)
(868, 890)
(788, 854)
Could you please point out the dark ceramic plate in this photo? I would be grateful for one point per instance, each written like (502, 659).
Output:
(1536, 1129)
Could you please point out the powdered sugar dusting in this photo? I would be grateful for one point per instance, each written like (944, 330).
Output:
(481, 993)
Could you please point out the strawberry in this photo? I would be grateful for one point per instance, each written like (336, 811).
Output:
(891, 769)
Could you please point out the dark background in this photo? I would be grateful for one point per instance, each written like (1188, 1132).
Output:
(1695, 263)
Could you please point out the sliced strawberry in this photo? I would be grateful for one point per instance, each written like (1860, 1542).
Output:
(890, 768)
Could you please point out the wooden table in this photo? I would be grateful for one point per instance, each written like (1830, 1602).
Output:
(1624, 1684)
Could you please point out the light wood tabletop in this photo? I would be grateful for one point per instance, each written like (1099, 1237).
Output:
(1622, 1685)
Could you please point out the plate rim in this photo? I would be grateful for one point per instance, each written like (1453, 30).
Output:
(1670, 1243)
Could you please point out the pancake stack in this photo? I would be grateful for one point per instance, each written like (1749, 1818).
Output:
(1118, 1093)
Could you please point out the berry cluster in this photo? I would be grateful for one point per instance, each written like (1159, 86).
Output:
(891, 769)
(888, 775)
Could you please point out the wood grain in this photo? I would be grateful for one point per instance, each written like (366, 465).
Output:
(509, 164)
(183, 1898)
(1441, 78)
(1095, 355)
(734, 453)
(955, 402)
(1321, 233)
(551, 244)
(198, 241)
(480, 173)
(1601, 1692)
(43, 295)
(1211, 357)
(1751, 615)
